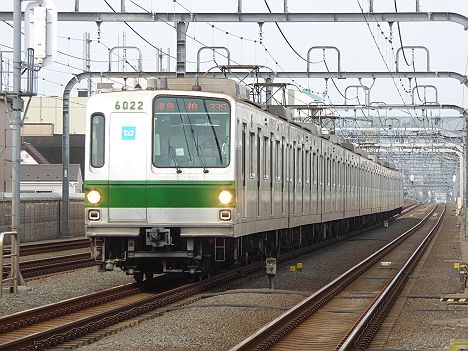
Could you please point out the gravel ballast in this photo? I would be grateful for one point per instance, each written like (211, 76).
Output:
(62, 286)
(420, 321)
(227, 319)
(212, 323)
(220, 321)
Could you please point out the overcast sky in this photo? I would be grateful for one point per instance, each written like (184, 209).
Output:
(446, 42)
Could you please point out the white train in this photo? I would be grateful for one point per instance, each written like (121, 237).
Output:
(185, 179)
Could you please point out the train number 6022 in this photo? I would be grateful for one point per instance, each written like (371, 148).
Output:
(128, 105)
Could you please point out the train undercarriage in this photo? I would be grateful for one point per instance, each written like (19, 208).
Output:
(163, 250)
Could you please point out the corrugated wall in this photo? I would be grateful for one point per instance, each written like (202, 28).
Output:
(40, 219)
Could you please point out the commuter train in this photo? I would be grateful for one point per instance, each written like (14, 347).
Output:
(191, 177)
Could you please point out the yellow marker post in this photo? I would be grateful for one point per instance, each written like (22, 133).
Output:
(292, 268)
(456, 265)
(299, 266)
(456, 345)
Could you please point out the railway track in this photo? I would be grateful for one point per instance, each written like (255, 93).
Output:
(49, 326)
(50, 265)
(28, 249)
(345, 314)
(52, 325)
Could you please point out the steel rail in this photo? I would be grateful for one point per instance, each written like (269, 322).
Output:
(59, 245)
(27, 249)
(364, 330)
(59, 333)
(270, 334)
(50, 265)
(39, 314)
(87, 324)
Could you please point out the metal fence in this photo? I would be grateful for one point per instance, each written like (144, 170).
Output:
(40, 216)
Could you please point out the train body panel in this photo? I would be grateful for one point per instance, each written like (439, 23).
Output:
(183, 176)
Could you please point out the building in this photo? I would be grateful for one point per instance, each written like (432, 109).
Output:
(43, 127)
(45, 116)
(47, 178)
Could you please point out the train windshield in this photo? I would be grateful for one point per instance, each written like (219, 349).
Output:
(191, 132)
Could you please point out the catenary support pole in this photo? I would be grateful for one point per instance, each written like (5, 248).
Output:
(87, 58)
(466, 175)
(65, 213)
(16, 142)
(181, 48)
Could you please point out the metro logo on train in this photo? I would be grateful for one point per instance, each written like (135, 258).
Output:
(128, 133)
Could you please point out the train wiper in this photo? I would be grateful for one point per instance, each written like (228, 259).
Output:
(174, 158)
(205, 170)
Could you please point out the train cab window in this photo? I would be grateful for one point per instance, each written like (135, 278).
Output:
(97, 140)
(191, 132)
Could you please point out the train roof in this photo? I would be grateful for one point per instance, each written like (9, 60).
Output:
(241, 92)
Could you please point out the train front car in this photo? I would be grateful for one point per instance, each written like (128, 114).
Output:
(160, 189)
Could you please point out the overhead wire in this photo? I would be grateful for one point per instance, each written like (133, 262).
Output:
(268, 52)
(381, 55)
(173, 26)
(412, 64)
(236, 36)
(403, 51)
(297, 53)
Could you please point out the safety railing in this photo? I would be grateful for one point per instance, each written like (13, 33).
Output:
(14, 261)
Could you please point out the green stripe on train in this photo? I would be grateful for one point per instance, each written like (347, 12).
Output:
(159, 194)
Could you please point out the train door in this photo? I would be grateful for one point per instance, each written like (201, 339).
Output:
(128, 140)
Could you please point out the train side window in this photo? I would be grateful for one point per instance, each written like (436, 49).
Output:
(272, 202)
(277, 160)
(98, 124)
(294, 177)
(283, 174)
(266, 158)
(299, 165)
(313, 170)
(259, 155)
(283, 162)
(259, 171)
(251, 154)
(243, 163)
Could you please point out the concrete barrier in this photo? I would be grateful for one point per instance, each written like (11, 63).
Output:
(40, 216)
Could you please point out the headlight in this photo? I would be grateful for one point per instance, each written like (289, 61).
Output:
(225, 197)
(94, 197)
